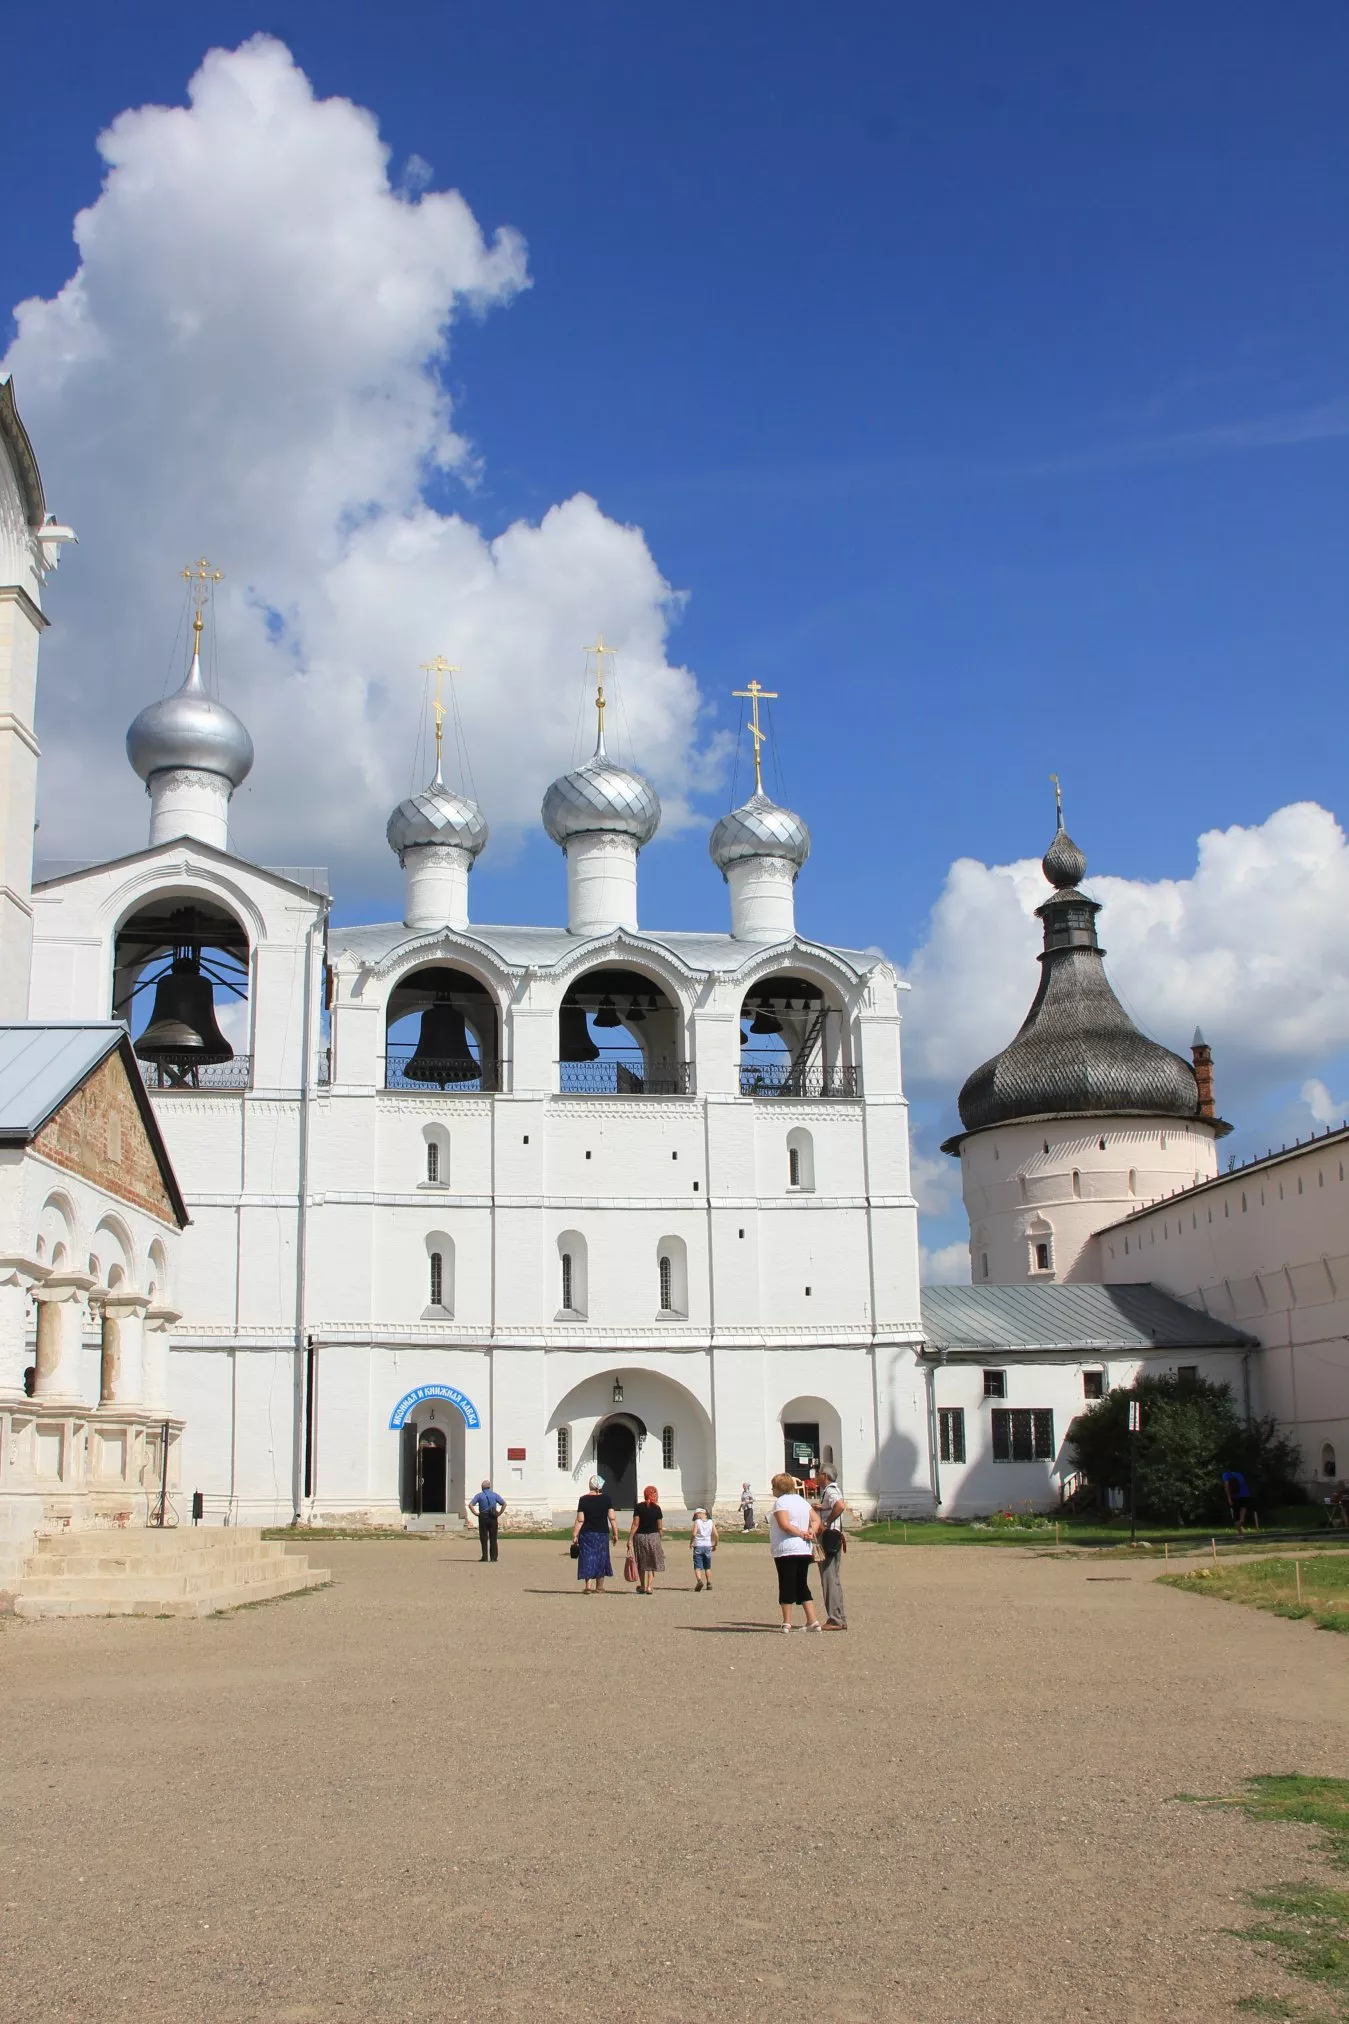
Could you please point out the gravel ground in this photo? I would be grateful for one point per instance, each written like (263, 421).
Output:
(439, 1790)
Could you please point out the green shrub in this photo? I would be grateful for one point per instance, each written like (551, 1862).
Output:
(1191, 1431)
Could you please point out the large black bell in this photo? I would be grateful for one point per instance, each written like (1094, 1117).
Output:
(442, 1052)
(182, 1032)
(608, 1014)
(765, 1020)
(574, 1041)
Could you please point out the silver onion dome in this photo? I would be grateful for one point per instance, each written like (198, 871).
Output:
(437, 815)
(602, 798)
(192, 730)
(759, 829)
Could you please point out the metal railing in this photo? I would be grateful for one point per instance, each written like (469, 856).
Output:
(323, 1068)
(777, 1076)
(625, 1075)
(447, 1078)
(211, 1075)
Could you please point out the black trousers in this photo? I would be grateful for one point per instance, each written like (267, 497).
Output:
(487, 1534)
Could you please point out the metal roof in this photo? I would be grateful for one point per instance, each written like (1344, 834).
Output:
(41, 1064)
(543, 948)
(1074, 1316)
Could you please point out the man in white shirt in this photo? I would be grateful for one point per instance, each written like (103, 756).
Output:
(832, 1508)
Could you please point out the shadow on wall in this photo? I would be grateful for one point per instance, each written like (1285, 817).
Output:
(898, 1477)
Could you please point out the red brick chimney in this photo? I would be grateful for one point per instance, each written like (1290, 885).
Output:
(1202, 1055)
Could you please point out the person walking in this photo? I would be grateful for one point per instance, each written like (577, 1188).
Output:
(646, 1541)
(1238, 1494)
(705, 1542)
(791, 1531)
(595, 1527)
(487, 1506)
(747, 1507)
(835, 1545)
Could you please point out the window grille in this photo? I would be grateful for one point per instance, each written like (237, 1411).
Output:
(995, 1384)
(1023, 1436)
(566, 1279)
(666, 1287)
(667, 1448)
(432, 1161)
(793, 1166)
(437, 1278)
(564, 1447)
(1093, 1384)
(951, 1433)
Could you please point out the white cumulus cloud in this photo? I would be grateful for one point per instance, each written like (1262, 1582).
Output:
(247, 363)
(1253, 947)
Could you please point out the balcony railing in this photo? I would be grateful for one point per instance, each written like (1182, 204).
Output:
(625, 1075)
(323, 1067)
(212, 1075)
(778, 1077)
(445, 1078)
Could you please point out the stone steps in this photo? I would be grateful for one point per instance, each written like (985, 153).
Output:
(153, 1573)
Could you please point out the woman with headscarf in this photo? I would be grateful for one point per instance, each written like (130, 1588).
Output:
(595, 1526)
(646, 1540)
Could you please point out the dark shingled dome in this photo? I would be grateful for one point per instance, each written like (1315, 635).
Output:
(1078, 1052)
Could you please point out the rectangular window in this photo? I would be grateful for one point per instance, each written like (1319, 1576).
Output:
(1023, 1436)
(793, 1167)
(1042, 1257)
(437, 1278)
(951, 1433)
(666, 1286)
(667, 1448)
(566, 1279)
(995, 1384)
(1187, 1372)
(433, 1162)
(564, 1447)
(1093, 1384)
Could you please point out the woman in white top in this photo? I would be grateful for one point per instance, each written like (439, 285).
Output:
(791, 1530)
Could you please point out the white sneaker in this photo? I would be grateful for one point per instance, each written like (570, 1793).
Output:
(786, 1630)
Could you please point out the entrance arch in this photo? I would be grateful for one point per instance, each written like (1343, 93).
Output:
(431, 1462)
(616, 1457)
(670, 1426)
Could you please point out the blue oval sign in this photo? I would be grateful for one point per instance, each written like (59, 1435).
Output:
(434, 1391)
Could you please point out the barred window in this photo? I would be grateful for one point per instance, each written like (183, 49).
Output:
(437, 1278)
(1093, 1384)
(564, 1447)
(1023, 1436)
(667, 1448)
(566, 1279)
(995, 1384)
(432, 1161)
(951, 1433)
(666, 1287)
(793, 1166)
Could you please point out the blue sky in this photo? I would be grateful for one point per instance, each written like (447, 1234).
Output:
(979, 375)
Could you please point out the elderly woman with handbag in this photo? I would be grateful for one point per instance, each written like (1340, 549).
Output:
(595, 1526)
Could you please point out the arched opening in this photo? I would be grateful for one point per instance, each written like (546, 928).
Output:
(648, 1404)
(620, 1034)
(794, 1041)
(573, 1290)
(672, 1275)
(812, 1439)
(157, 1278)
(181, 983)
(442, 1033)
(801, 1161)
(1328, 1467)
(1040, 1238)
(439, 1276)
(436, 1156)
(616, 1457)
(433, 1470)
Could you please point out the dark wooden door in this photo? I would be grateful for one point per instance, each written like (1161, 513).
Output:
(616, 1463)
(431, 1471)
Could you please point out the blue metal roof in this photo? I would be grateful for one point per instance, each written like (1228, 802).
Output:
(41, 1063)
(1069, 1317)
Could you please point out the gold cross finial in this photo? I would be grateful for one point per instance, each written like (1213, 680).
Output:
(1058, 799)
(198, 576)
(599, 650)
(439, 667)
(756, 695)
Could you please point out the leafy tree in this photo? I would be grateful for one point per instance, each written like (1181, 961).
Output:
(1191, 1431)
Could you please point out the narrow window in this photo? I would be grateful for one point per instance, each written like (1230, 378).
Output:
(666, 1287)
(793, 1166)
(1328, 1468)
(566, 1279)
(432, 1161)
(1101, 1144)
(1042, 1257)
(995, 1384)
(951, 1433)
(437, 1278)
(1133, 1180)
(564, 1447)
(983, 1263)
(667, 1448)
(1093, 1384)
(1077, 1185)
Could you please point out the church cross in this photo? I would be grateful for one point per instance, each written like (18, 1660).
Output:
(198, 575)
(599, 650)
(439, 667)
(755, 695)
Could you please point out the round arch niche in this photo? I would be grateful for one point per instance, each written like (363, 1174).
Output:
(794, 1040)
(442, 1032)
(620, 1033)
(181, 972)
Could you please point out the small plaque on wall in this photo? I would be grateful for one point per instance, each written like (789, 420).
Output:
(515, 1454)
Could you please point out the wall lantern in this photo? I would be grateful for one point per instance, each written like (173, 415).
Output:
(618, 1391)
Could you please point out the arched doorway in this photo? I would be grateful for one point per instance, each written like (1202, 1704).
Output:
(441, 1032)
(433, 1470)
(616, 1461)
(181, 983)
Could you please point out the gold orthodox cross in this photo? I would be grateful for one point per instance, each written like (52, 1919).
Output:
(599, 650)
(755, 695)
(439, 667)
(198, 576)
(1058, 799)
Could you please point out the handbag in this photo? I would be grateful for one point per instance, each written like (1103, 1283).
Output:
(575, 1549)
(630, 1567)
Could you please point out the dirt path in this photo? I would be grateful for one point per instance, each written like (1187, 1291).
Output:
(440, 1790)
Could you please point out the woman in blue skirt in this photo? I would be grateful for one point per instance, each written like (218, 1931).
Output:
(595, 1526)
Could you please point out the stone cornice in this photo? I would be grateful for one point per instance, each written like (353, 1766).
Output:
(14, 593)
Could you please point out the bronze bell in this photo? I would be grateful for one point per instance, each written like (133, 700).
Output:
(442, 1053)
(574, 1041)
(765, 1020)
(182, 1032)
(608, 1014)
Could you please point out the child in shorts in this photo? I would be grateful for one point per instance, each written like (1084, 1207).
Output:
(704, 1546)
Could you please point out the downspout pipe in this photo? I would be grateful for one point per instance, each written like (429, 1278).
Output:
(933, 1446)
(302, 1454)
